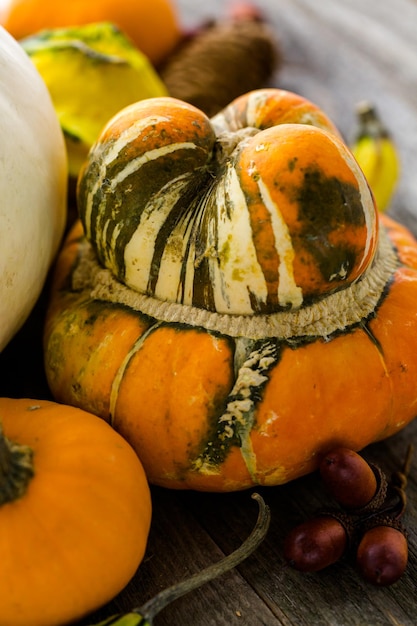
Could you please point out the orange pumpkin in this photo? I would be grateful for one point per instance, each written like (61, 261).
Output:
(75, 513)
(231, 301)
(153, 26)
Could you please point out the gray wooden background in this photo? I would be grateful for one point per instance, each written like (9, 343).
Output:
(338, 53)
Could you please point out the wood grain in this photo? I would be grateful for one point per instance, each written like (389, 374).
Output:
(337, 54)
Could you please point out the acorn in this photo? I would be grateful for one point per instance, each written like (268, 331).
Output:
(318, 542)
(352, 481)
(382, 553)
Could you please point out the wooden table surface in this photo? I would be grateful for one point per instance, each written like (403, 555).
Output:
(336, 54)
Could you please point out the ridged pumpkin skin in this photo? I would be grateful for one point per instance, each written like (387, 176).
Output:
(76, 537)
(273, 314)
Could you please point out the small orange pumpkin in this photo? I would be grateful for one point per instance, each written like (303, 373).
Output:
(154, 27)
(75, 513)
(232, 302)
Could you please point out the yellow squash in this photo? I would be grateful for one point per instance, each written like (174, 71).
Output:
(91, 72)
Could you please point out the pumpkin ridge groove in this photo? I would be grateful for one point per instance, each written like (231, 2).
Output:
(137, 258)
(116, 222)
(177, 214)
(236, 423)
(371, 336)
(185, 282)
(202, 287)
(118, 378)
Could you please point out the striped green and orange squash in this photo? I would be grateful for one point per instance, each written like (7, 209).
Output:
(230, 300)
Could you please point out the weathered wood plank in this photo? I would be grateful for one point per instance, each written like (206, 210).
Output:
(178, 547)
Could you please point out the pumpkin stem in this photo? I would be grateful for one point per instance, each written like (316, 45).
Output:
(16, 468)
(151, 608)
(227, 142)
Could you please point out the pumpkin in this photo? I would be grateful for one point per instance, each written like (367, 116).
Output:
(230, 300)
(75, 513)
(33, 179)
(106, 72)
(152, 26)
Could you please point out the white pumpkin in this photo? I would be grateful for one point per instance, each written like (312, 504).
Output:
(33, 186)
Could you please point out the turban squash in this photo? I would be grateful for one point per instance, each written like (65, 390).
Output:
(231, 300)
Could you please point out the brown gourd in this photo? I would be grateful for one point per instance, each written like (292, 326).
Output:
(231, 301)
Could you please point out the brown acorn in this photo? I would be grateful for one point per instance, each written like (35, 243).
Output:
(349, 479)
(317, 543)
(382, 554)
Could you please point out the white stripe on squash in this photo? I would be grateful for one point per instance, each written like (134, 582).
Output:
(168, 286)
(112, 153)
(288, 290)
(139, 251)
(237, 272)
(256, 101)
(230, 251)
(135, 164)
